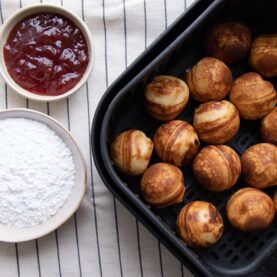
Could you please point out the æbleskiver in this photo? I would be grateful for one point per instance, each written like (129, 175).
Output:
(36, 172)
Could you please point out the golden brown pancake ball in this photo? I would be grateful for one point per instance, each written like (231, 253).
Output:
(162, 185)
(210, 79)
(250, 210)
(263, 55)
(229, 41)
(176, 142)
(269, 127)
(216, 122)
(253, 96)
(199, 224)
(166, 97)
(217, 167)
(259, 165)
(131, 152)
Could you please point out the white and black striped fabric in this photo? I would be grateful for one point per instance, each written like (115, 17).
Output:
(102, 238)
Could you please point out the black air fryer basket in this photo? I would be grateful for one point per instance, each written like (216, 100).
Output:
(122, 108)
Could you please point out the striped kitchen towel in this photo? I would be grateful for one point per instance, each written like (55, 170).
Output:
(102, 238)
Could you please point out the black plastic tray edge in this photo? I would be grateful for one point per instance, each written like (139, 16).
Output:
(194, 10)
(173, 239)
(247, 269)
(157, 46)
(191, 13)
(140, 69)
(132, 209)
(95, 137)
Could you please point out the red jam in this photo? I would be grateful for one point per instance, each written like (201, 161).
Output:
(46, 54)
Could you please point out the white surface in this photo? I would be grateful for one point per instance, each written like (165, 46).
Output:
(32, 9)
(37, 172)
(20, 14)
(90, 242)
(78, 190)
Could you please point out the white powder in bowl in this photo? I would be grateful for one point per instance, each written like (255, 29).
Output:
(36, 172)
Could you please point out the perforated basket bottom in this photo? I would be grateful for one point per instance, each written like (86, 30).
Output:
(235, 250)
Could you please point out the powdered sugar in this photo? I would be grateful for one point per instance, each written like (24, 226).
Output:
(36, 172)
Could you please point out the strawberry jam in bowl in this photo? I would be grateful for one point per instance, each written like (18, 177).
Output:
(46, 52)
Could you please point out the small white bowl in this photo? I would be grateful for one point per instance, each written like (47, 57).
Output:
(10, 234)
(33, 9)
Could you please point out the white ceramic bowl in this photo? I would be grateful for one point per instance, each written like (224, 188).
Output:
(27, 11)
(10, 234)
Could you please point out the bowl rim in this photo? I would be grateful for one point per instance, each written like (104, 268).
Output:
(37, 8)
(49, 228)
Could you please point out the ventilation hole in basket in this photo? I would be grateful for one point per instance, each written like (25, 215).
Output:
(209, 196)
(234, 259)
(232, 237)
(222, 246)
(260, 245)
(219, 201)
(270, 235)
(238, 243)
(252, 143)
(250, 255)
(190, 195)
(226, 231)
(221, 208)
(215, 256)
(273, 258)
(128, 127)
(188, 116)
(243, 140)
(244, 249)
(253, 132)
(228, 253)
(253, 240)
